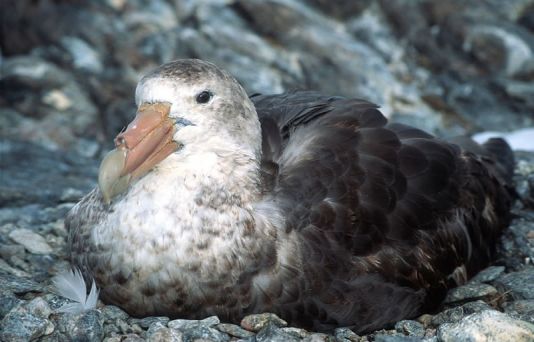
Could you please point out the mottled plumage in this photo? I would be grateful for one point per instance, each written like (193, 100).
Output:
(328, 215)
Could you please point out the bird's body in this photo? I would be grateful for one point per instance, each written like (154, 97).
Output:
(309, 206)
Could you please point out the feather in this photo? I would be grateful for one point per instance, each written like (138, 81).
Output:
(71, 285)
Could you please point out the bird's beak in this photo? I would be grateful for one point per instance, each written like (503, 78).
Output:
(146, 141)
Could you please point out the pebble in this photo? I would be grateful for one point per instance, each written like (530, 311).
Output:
(396, 338)
(489, 325)
(410, 328)
(65, 99)
(112, 313)
(488, 275)
(259, 321)
(319, 337)
(233, 330)
(33, 242)
(346, 335)
(159, 332)
(470, 292)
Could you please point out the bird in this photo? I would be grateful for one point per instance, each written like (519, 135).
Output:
(309, 206)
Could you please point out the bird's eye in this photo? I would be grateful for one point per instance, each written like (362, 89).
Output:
(204, 97)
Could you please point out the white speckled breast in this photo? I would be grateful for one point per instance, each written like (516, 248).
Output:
(175, 238)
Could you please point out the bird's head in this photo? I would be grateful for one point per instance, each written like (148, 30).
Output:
(184, 107)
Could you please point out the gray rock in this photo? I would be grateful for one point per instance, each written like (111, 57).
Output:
(23, 326)
(522, 309)
(112, 313)
(272, 333)
(146, 322)
(159, 332)
(470, 292)
(516, 249)
(519, 285)
(37, 307)
(7, 302)
(33, 242)
(319, 337)
(18, 285)
(346, 335)
(132, 338)
(410, 328)
(233, 330)
(258, 321)
(204, 333)
(84, 56)
(396, 338)
(183, 324)
(297, 332)
(199, 329)
(7, 251)
(41, 175)
(489, 325)
(457, 313)
(87, 326)
(55, 301)
(487, 275)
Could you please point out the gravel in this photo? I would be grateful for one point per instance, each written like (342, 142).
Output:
(68, 79)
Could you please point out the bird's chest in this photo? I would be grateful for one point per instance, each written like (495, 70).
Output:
(155, 247)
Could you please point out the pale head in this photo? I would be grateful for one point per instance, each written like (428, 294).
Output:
(184, 107)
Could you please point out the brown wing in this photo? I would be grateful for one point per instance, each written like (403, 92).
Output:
(386, 213)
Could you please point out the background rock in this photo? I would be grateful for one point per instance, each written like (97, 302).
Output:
(68, 75)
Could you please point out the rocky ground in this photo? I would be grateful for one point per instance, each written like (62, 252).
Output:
(69, 69)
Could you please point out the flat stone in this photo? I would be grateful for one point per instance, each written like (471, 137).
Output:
(489, 325)
(146, 322)
(18, 285)
(319, 337)
(133, 338)
(457, 313)
(183, 324)
(259, 321)
(297, 332)
(396, 338)
(4, 266)
(204, 333)
(272, 333)
(522, 309)
(520, 285)
(87, 326)
(37, 307)
(23, 326)
(488, 275)
(112, 312)
(233, 330)
(159, 332)
(346, 335)
(33, 242)
(410, 328)
(469, 292)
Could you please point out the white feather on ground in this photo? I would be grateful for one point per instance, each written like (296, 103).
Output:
(71, 285)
